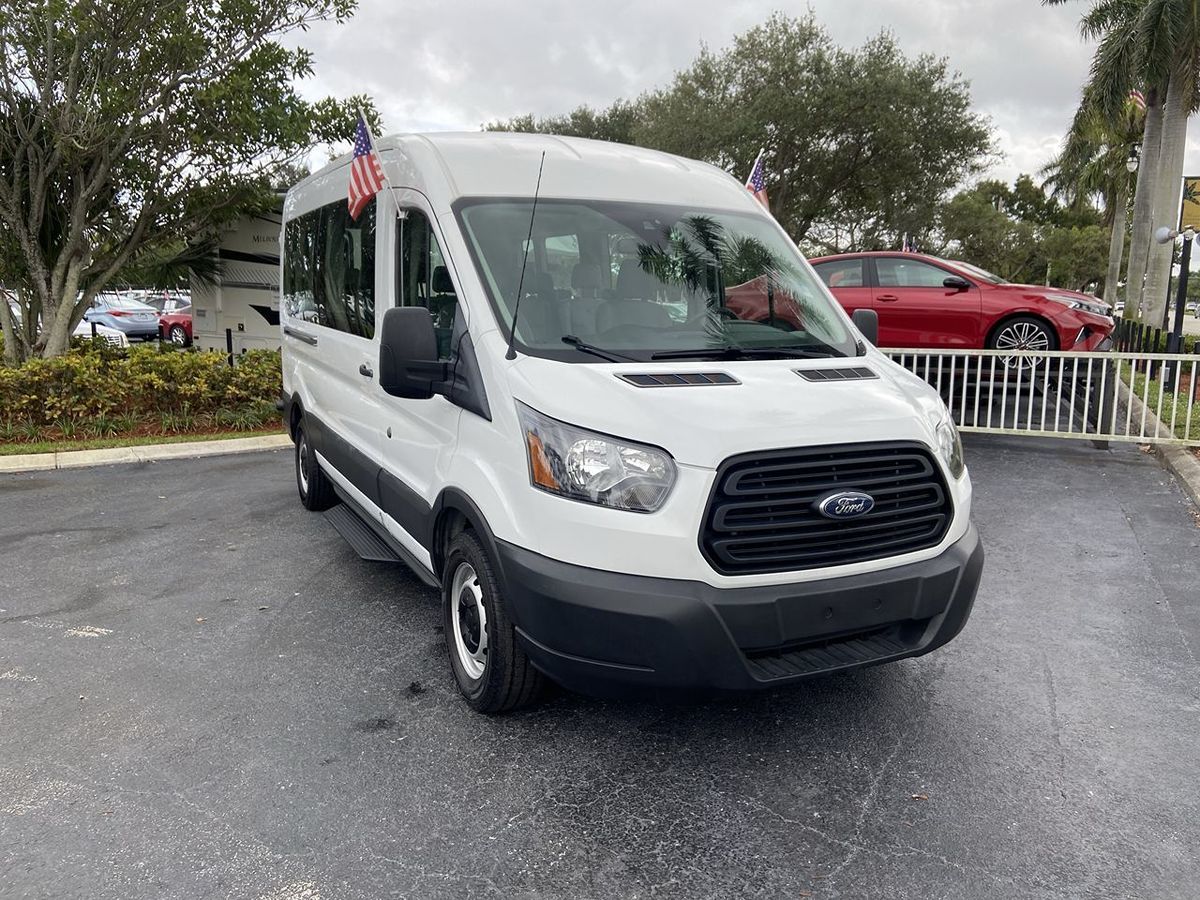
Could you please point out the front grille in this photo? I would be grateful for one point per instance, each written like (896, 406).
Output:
(762, 516)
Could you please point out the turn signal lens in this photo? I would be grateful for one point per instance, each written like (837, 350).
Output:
(539, 466)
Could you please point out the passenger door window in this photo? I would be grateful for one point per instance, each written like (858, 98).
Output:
(425, 278)
(896, 272)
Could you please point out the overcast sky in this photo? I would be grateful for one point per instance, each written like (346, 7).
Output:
(435, 65)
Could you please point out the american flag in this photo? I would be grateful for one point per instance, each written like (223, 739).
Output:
(1138, 99)
(757, 182)
(366, 174)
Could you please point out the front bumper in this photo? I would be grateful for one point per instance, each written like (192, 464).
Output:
(589, 629)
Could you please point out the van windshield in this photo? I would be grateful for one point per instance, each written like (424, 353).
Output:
(634, 281)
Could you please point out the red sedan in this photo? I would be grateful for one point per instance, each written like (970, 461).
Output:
(923, 301)
(176, 327)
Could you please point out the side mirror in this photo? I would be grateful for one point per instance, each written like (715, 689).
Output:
(954, 283)
(408, 363)
(867, 321)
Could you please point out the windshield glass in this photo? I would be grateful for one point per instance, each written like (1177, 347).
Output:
(640, 281)
(126, 303)
(978, 272)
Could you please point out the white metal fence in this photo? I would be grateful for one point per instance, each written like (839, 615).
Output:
(1146, 398)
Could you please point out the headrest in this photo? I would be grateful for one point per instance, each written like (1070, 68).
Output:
(441, 281)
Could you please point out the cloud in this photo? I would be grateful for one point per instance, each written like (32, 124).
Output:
(435, 65)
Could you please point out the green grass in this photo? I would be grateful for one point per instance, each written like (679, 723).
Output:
(140, 440)
(1179, 402)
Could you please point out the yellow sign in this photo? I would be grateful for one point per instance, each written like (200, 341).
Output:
(1189, 209)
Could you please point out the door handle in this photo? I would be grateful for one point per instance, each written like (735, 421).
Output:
(366, 371)
(887, 298)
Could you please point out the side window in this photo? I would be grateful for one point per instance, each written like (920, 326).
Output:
(329, 269)
(841, 273)
(897, 272)
(425, 278)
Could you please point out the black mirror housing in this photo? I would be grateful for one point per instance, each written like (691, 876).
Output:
(867, 321)
(954, 283)
(408, 356)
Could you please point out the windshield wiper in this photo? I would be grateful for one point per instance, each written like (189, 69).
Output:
(584, 347)
(733, 352)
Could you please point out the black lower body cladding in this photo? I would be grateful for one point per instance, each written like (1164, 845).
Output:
(592, 630)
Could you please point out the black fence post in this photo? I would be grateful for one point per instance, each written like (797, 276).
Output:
(229, 345)
(93, 329)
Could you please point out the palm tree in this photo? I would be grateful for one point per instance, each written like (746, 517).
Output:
(1150, 44)
(1094, 162)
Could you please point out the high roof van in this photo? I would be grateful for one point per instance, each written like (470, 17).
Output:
(596, 397)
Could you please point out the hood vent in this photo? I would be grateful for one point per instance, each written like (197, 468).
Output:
(677, 379)
(854, 373)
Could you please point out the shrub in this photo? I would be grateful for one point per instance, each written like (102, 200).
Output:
(99, 390)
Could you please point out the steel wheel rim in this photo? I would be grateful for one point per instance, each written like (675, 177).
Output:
(302, 469)
(468, 618)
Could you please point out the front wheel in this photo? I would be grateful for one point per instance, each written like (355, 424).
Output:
(491, 669)
(1025, 334)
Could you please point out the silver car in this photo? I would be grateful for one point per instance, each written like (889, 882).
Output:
(136, 320)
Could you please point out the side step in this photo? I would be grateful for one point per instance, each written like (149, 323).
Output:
(360, 535)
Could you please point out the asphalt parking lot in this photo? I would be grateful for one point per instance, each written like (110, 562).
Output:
(205, 693)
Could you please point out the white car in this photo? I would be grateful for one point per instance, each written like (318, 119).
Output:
(515, 370)
(114, 337)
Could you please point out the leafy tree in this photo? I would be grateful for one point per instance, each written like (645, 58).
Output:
(129, 127)
(1024, 235)
(860, 145)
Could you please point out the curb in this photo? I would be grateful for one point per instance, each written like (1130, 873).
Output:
(1179, 461)
(111, 456)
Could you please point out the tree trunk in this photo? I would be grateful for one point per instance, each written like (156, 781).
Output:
(1116, 243)
(1169, 179)
(1143, 206)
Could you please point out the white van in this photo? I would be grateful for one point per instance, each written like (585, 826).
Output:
(687, 469)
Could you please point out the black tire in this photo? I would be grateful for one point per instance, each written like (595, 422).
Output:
(1023, 329)
(179, 336)
(508, 679)
(316, 491)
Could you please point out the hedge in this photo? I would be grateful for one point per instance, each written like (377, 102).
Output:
(97, 391)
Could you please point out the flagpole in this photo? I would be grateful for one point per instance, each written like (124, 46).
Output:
(382, 167)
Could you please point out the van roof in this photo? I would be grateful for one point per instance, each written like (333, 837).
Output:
(447, 165)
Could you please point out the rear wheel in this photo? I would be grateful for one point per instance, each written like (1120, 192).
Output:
(316, 491)
(491, 669)
(179, 336)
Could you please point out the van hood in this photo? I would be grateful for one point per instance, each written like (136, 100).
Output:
(770, 406)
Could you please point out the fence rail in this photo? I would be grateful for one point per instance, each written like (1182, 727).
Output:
(1143, 397)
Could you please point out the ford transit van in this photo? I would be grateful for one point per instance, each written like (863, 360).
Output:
(596, 397)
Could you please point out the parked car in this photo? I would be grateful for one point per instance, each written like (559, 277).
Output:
(176, 327)
(167, 301)
(606, 487)
(923, 301)
(85, 330)
(136, 320)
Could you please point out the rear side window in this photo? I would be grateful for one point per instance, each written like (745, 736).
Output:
(329, 269)
(841, 273)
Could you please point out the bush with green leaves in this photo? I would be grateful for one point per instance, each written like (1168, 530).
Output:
(96, 390)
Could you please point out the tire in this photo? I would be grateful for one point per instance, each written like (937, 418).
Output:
(179, 336)
(316, 491)
(491, 669)
(1022, 333)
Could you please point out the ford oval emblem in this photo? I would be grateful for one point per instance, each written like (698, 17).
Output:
(845, 505)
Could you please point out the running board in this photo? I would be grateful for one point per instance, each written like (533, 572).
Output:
(359, 535)
(369, 543)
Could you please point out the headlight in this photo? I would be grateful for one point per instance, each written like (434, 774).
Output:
(594, 468)
(950, 446)
(1098, 309)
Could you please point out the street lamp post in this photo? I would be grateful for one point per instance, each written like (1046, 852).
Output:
(1166, 235)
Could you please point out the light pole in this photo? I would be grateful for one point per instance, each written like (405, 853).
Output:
(1165, 235)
